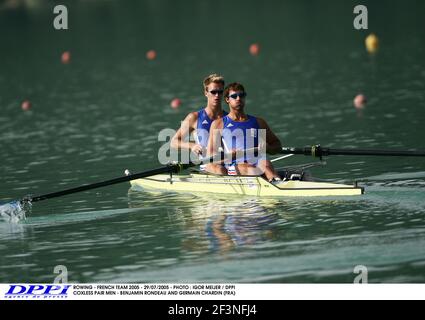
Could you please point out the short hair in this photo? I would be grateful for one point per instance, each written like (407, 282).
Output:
(213, 78)
(235, 86)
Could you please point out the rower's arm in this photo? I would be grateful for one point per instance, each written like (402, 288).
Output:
(214, 142)
(273, 144)
(186, 128)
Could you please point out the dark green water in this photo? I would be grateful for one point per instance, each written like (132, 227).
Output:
(102, 113)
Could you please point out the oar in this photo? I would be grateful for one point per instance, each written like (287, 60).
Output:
(318, 151)
(282, 157)
(173, 167)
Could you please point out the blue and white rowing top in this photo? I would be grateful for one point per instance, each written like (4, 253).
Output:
(203, 127)
(241, 136)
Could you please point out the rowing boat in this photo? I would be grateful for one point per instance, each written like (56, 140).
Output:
(258, 186)
(243, 185)
(162, 178)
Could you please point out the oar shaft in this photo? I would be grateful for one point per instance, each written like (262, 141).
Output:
(318, 151)
(366, 152)
(282, 157)
(171, 168)
(167, 169)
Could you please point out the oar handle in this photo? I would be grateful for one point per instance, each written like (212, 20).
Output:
(318, 151)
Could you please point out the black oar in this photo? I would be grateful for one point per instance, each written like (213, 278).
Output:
(171, 168)
(318, 151)
(174, 167)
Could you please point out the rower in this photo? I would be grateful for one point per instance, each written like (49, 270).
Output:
(240, 134)
(199, 122)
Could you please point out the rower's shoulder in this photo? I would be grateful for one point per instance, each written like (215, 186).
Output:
(192, 117)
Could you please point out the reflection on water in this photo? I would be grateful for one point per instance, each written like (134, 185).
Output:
(299, 240)
(242, 227)
(156, 237)
(215, 224)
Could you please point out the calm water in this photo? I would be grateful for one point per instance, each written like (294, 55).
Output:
(100, 114)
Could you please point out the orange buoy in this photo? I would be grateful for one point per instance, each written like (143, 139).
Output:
(175, 103)
(151, 55)
(254, 49)
(66, 57)
(26, 105)
(360, 101)
(372, 43)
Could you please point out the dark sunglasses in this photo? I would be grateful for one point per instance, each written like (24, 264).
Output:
(214, 92)
(236, 95)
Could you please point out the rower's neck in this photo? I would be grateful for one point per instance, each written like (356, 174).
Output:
(238, 116)
(214, 112)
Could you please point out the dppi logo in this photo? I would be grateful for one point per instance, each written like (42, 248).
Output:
(37, 291)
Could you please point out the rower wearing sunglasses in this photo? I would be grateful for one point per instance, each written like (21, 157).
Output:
(246, 136)
(199, 122)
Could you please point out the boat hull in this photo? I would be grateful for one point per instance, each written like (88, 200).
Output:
(243, 185)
